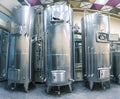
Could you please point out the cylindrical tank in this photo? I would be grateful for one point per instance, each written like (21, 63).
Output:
(21, 70)
(116, 65)
(4, 46)
(58, 44)
(78, 74)
(96, 49)
(24, 19)
(39, 70)
(115, 57)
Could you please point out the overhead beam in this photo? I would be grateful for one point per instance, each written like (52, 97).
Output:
(5, 11)
(91, 11)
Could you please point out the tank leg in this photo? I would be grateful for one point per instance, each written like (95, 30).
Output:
(118, 80)
(108, 84)
(48, 89)
(26, 86)
(9, 83)
(91, 85)
(103, 85)
(58, 92)
(13, 86)
(70, 87)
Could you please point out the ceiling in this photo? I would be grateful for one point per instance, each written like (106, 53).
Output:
(9, 4)
(111, 6)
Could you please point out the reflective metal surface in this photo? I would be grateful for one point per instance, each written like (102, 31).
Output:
(116, 66)
(38, 47)
(20, 70)
(58, 76)
(96, 50)
(78, 74)
(58, 41)
(115, 57)
(4, 46)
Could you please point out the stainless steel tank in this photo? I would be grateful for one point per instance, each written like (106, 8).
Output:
(4, 47)
(116, 66)
(96, 49)
(58, 76)
(38, 62)
(115, 57)
(58, 45)
(114, 47)
(78, 74)
(21, 69)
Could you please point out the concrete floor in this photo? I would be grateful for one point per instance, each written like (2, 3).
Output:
(79, 92)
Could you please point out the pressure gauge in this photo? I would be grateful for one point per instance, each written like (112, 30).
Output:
(102, 37)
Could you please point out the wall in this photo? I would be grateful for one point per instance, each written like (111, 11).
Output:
(114, 22)
(115, 25)
(77, 18)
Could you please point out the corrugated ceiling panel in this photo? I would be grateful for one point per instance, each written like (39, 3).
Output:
(9, 4)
